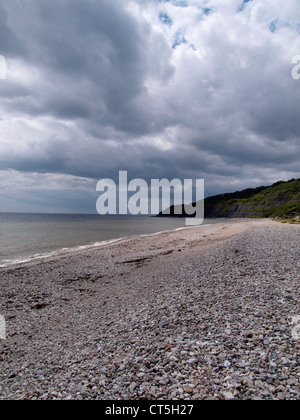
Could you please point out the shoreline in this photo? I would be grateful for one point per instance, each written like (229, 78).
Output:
(197, 313)
(66, 251)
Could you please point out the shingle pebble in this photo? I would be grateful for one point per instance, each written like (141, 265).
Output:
(211, 322)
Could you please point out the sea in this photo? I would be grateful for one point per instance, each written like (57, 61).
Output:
(25, 237)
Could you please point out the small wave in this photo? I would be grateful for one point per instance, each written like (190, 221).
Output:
(66, 251)
(59, 252)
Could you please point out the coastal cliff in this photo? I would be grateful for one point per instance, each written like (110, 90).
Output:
(281, 199)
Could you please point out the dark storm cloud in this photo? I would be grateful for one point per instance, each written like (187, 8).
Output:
(85, 49)
(95, 87)
(10, 44)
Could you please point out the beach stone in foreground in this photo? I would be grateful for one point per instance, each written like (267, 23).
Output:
(197, 314)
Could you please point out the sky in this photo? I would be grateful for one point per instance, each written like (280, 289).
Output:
(188, 89)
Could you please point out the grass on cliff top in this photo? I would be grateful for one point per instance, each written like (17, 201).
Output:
(281, 199)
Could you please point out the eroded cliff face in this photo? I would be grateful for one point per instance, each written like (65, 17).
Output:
(281, 199)
(227, 211)
(234, 211)
(259, 210)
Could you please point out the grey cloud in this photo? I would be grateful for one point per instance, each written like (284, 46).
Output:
(103, 90)
(11, 45)
(88, 52)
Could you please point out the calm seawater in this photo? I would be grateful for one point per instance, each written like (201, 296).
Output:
(27, 236)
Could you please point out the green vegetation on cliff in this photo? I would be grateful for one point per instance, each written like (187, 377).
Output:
(281, 199)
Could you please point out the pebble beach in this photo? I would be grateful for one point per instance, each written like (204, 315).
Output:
(201, 313)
